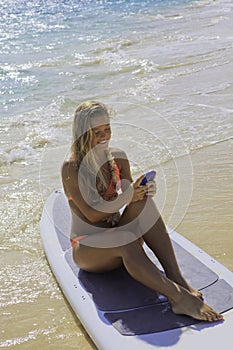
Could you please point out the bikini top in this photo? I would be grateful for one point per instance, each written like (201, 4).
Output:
(115, 183)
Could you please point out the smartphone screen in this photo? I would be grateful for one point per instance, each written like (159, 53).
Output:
(148, 177)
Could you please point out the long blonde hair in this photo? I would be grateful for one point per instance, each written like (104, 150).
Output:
(82, 154)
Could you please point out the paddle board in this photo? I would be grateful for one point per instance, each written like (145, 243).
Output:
(120, 313)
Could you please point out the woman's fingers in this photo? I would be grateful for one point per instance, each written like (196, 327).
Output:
(141, 191)
(146, 190)
(151, 188)
(138, 181)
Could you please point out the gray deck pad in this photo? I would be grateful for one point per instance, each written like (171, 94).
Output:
(159, 317)
(131, 307)
(117, 290)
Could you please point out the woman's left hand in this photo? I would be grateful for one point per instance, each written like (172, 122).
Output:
(151, 188)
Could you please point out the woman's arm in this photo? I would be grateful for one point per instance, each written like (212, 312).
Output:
(99, 211)
(148, 190)
(124, 166)
(131, 191)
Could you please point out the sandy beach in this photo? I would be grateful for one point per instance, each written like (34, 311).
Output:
(208, 221)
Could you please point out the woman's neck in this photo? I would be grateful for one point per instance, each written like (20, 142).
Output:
(101, 156)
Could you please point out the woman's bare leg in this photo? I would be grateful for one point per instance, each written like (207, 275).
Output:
(155, 235)
(140, 267)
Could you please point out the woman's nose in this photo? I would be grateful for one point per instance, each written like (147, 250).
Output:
(102, 134)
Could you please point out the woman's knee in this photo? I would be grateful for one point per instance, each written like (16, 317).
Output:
(142, 207)
(137, 207)
(132, 213)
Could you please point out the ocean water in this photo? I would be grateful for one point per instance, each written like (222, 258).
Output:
(165, 68)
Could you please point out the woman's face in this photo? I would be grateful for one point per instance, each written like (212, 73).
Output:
(101, 131)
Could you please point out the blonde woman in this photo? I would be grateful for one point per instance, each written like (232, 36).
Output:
(102, 238)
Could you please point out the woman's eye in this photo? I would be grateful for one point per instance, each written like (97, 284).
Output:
(100, 133)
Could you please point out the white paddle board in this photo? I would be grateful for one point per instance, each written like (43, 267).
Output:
(120, 313)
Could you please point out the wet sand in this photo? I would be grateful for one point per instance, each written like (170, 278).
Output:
(208, 220)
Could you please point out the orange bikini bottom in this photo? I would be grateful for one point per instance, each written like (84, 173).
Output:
(79, 238)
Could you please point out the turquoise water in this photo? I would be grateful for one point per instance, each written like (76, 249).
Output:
(165, 67)
(163, 62)
(45, 45)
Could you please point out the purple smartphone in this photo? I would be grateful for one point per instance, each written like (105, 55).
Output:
(148, 177)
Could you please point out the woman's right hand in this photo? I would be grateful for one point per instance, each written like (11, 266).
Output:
(139, 192)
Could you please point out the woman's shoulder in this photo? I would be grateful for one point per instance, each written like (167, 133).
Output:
(68, 169)
(121, 159)
(118, 153)
(68, 163)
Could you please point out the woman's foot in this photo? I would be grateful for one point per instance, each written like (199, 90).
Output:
(183, 283)
(195, 292)
(188, 304)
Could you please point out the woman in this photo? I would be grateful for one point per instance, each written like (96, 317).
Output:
(102, 239)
